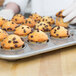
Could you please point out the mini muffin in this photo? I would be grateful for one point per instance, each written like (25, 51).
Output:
(18, 18)
(59, 32)
(12, 42)
(29, 22)
(3, 34)
(22, 30)
(59, 14)
(48, 19)
(36, 17)
(2, 21)
(37, 36)
(9, 26)
(43, 26)
(59, 22)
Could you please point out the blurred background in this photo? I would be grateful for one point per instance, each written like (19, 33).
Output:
(1, 3)
(28, 8)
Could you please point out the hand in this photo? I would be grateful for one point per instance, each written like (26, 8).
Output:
(7, 14)
(70, 14)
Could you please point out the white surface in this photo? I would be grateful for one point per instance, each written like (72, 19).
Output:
(43, 7)
(7, 14)
(49, 7)
(70, 13)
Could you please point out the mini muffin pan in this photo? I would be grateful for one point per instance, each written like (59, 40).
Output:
(32, 49)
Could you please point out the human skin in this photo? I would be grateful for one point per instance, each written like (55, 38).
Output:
(13, 6)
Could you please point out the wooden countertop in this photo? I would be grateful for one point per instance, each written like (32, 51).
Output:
(57, 63)
(1, 2)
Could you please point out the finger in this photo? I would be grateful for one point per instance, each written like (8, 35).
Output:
(69, 17)
(73, 21)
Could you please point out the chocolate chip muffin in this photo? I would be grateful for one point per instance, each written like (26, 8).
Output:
(18, 18)
(59, 14)
(3, 34)
(9, 26)
(22, 30)
(37, 36)
(59, 22)
(29, 22)
(35, 16)
(12, 42)
(43, 26)
(2, 21)
(48, 19)
(59, 32)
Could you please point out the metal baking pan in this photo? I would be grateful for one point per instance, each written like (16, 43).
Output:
(34, 49)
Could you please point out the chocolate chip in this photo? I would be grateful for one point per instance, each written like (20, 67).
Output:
(55, 31)
(22, 22)
(28, 27)
(46, 26)
(53, 27)
(16, 46)
(72, 34)
(15, 41)
(9, 41)
(3, 19)
(12, 22)
(48, 22)
(43, 28)
(1, 47)
(14, 38)
(26, 21)
(35, 20)
(22, 39)
(9, 28)
(29, 22)
(17, 26)
(43, 20)
(32, 36)
(58, 28)
(36, 17)
(14, 30)
(60, 37)
(38, 22)
(11, 48)
(46, 19)
(31, 40)
(27, 40)
(68, 36)
(41, 24)
(23, 45)
(24, 31)
(15, 19)
(59, 13)
(48, 40)
(67, 33)
(37, 30)
(57, 34)
(62, 16)
(22, 27)
(4, 29)
(46, 29)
